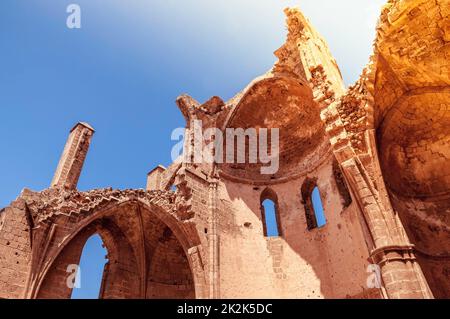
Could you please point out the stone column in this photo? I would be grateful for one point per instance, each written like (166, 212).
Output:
(392, 251)
(73, 157)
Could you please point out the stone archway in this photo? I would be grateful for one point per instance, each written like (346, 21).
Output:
(411, 90)
(152, 254)
(122, 264)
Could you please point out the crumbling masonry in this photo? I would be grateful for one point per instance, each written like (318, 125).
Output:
(378, 151)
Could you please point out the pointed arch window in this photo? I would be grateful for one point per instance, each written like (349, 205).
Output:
(89, 278)
(270, 214)
(312, 201)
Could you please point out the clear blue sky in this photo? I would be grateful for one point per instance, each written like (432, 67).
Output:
(90, 272)
(123, 70)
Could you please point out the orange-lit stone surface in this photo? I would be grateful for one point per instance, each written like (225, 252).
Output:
(379, 152)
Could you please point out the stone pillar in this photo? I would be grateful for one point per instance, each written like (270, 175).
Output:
(214, 242)
(392, 252)
(15, 249)
(73, 157)
(402, 275)
(154, 178)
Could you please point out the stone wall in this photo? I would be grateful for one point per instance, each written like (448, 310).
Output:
(15, 252)
(327, 262)
(378, 152)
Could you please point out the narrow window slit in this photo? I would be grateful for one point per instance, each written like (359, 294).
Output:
(270, 214)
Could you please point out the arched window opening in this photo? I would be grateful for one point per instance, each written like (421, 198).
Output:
(89, 279)
(318, 208)
(270, 214)
(346, 198)
(312, 201)
(271, 229)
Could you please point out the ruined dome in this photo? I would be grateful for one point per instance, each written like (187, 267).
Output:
(285, 103)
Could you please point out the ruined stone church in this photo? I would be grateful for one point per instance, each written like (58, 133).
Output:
(378, 152)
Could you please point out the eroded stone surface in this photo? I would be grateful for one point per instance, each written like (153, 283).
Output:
(378, 152)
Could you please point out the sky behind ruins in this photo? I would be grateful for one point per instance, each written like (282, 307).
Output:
(122, 71)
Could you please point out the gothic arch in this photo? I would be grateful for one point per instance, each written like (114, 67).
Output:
(269, 194)
(143, 231)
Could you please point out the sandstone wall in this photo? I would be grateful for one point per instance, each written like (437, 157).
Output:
(327, 262)
(15, 250)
